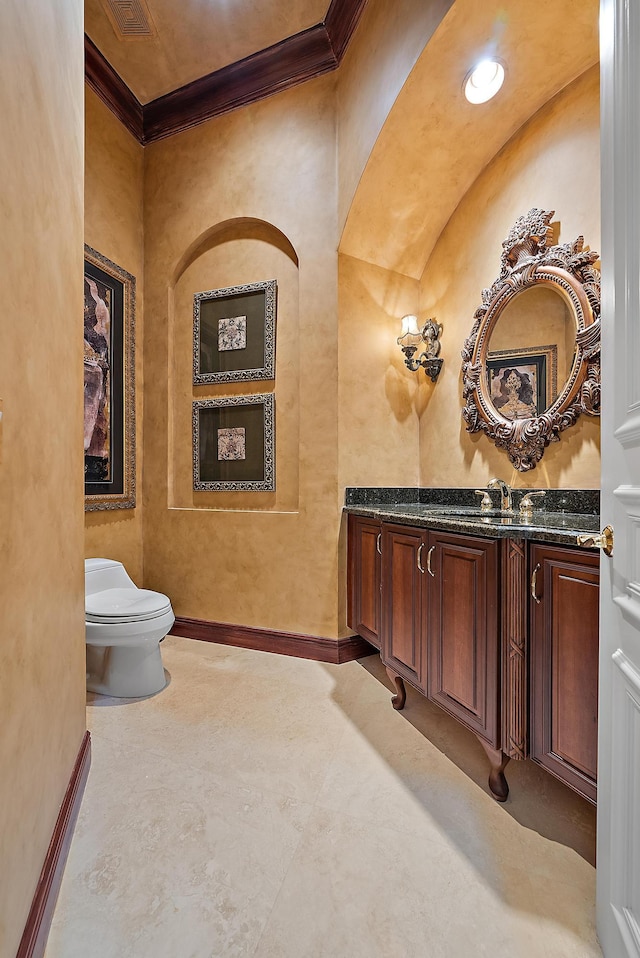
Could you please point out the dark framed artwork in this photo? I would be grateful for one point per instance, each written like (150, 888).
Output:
(523, 382)
(109, 384)
(234, 333)
(234, 444)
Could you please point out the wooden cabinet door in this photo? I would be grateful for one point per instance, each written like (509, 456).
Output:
(403, 590)
(464, 631)
(363, 586)
(564, 664)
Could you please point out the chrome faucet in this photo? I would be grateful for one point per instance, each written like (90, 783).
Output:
(505, 493)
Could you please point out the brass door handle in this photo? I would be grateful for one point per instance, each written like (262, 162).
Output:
(603, 541)
(429, 554)
(420, 548)
(534, 580)
(378, 541)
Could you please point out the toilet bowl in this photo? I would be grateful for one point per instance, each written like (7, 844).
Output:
(124, 628)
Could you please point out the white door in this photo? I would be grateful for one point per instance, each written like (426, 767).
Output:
(618, 862)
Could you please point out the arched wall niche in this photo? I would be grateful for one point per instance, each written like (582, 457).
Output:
(241, 227)
(553, 162)
(431, 153)
(235, 252)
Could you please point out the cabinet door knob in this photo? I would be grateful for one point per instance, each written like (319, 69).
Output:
(378, 541)
(429, 569)
(534, 580)
(420, 548)
(603, 541)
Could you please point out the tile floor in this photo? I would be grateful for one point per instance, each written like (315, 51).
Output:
(268, 806)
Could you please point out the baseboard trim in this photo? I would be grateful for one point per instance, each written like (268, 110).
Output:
(36, 930)
(264, 640)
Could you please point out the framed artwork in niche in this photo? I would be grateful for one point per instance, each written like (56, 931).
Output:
(109, 384)
(523, 383)
(234, 444)
(234, 333)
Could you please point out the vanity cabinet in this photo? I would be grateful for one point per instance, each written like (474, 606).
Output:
(501, 633)
(404, 603)
(564, 664)
(364, 539)
(463, 636)
(435, 620)
(440, 621)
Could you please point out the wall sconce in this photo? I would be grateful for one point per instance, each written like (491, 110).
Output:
(412, 337)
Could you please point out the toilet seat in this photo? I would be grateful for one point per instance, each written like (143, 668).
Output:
(125, 605)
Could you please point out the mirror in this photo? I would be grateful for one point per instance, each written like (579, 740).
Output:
(531, 365)
(531, 349)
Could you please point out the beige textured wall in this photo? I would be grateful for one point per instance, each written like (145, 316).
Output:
(552, 163)
(389, 39)
(114, 190)
(379, 401)
(42, 679)
(267, 560)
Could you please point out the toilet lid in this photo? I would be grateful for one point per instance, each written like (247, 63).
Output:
(125, 605)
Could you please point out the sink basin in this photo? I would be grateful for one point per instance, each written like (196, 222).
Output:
(471, 512)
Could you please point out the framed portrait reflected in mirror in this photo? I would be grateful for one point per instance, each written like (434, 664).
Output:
(109, 384)
(234, 444)
(522, 383)
(234, 333)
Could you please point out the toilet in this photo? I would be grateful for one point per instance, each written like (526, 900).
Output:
(124, 628)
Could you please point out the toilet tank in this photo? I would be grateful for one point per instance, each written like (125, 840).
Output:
(102, 574)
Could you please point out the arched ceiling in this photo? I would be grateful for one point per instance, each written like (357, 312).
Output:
(434, 144)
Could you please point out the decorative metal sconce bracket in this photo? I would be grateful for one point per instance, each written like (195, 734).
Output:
(431, 366)
(428, 360)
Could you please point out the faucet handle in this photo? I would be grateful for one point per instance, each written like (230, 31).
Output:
(526, 505)
(486, 504)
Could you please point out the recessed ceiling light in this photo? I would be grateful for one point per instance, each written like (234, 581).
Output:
(484, 81)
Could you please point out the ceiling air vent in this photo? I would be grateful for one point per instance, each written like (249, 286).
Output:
(130, 19)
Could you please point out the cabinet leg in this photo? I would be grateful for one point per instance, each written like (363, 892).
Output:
(400, 696)
(497, 781)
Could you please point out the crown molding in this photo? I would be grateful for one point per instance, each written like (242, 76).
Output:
(294, 60)
(112, 90)
(340, 22)
(308, 54)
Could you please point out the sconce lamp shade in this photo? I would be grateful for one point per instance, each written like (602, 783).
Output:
(411, 336)
(410, 325)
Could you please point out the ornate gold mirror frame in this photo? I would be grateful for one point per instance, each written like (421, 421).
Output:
(527, 260)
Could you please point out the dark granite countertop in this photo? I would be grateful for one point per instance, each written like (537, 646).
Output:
(560, 518)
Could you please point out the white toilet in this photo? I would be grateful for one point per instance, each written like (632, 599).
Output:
(124, 625)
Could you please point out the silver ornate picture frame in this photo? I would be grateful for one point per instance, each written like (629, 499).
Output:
(234, 333)
(234, 444)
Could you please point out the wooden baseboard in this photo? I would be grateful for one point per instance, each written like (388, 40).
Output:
(285, 643)
(36, 930)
